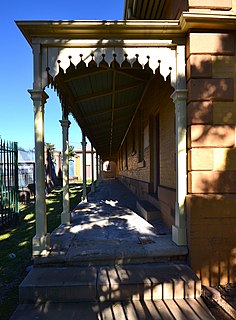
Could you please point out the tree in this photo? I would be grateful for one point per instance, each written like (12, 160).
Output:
(72, 153)
(51, 148)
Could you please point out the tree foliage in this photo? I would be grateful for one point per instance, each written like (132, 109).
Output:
(72, 153)
(51, 148)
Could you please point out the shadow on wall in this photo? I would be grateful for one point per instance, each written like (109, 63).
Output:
(211, 200)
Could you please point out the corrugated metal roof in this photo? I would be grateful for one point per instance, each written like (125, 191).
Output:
(102, 94)
(144, 9)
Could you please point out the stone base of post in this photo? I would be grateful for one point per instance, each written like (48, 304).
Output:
(179, 231)
(65, 218)
(40, 245)
(179, 236)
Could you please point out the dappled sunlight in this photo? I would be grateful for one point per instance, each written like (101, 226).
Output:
(22, 244)
(16, 243)
(122, 310)
(31, 226)
(5, 236)
(75, 229)
(116, 292)
(219, 135)
(106, 214)
(221, 179)
(212, 172)
(100, 223)
(213, 255)
(111, 202)
(219, 268)
(29, 216)
(100, 231)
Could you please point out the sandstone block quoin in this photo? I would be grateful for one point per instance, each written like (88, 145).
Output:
(224, 112)
(211, 236)
(199, 66)
(212, 182)
(211, 136)
(211, 89)
(210, 43)
(200, 159)
(200, 112)
(211, 4)
(224, 159)
(212, 206)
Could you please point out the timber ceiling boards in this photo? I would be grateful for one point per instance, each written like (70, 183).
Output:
(103, 98)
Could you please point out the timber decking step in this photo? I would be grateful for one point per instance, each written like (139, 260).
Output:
(193, 309)
(110, 283)
(147, 210)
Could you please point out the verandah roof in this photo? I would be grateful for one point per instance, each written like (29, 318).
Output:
(104, 98)
(101, 70)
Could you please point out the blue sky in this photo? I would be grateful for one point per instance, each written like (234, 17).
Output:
(16, 69)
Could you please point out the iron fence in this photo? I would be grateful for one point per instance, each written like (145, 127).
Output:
(9, 204)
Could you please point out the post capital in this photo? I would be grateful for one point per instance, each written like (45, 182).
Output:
(83, 143)
(38, 95)
(65, 123)
(179, 95)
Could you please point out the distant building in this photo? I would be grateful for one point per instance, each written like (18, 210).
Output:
(76, 165)
(26, 168)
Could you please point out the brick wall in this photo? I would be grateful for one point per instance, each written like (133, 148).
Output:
(211, 197)
(167, 145)
(138, 175)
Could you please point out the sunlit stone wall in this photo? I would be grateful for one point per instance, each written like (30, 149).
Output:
(211, 199)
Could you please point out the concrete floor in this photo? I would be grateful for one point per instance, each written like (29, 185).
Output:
(107, 230)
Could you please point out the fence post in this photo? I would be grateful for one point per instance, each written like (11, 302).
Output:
(9, 206)
(16, 177)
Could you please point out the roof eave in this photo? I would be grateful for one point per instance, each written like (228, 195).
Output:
(207, 21)
(135, 29)
(125, 30)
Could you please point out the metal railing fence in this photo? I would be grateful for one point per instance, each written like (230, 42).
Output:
(9, 202)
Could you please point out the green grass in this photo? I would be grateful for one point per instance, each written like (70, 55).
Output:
(17, 240)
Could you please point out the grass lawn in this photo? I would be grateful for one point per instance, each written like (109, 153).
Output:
(15, 246)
